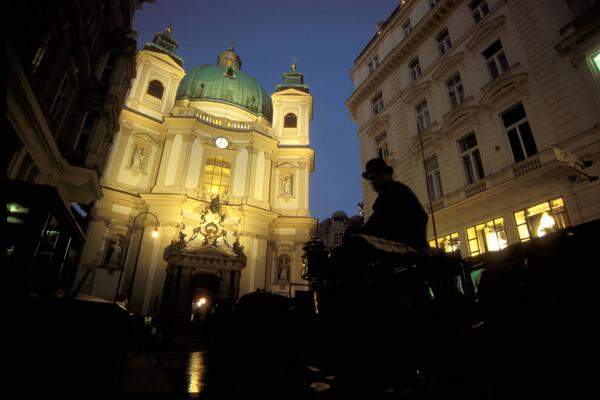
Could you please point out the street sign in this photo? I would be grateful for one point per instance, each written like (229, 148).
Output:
(569, 159)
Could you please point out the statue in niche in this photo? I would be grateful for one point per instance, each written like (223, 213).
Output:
(138, 158)
(287, 185)
(113, 256)
(283, 269)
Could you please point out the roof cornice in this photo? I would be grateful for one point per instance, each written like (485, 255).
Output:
(429, 23)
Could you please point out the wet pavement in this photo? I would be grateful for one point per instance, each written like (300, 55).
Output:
(186, 371)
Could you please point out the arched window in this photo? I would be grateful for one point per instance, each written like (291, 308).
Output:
(290, 120)
(217, 174)
(155, 89)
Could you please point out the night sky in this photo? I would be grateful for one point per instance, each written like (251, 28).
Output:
(325, 36)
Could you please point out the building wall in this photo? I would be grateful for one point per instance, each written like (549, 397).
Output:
(550, 72)
(71, 61)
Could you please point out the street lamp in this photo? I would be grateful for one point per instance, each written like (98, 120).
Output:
(200, 302)
(155, 234)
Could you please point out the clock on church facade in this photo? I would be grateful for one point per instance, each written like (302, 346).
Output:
(190, 141)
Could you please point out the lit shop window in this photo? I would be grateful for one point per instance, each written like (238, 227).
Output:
(488, 236)
(15, 213)
(449, 243)
(541, 219)
(217, 173)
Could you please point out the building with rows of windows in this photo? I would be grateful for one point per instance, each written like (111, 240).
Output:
(219, 169)
(69, 67)
(331, 230)
(474, 104)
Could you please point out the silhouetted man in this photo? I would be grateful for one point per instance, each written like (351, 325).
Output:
(397, 213)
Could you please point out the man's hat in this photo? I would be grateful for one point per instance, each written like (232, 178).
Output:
(375, 167)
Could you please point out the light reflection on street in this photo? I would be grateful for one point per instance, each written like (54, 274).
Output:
(196, 372)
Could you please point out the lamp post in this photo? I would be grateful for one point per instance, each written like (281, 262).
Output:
(428, 188)
(155, 234)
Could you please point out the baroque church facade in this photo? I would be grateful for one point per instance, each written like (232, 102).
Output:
(206, 190)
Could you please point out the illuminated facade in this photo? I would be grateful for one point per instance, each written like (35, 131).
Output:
(489, 88)
(186, 138)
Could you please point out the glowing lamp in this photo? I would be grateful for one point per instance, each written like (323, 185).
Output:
(546, 224)
(155, 233)
(200, 302)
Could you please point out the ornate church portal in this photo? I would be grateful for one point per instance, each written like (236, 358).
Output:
(200, 277)
(217, 171)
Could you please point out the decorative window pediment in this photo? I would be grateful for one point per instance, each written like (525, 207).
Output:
(448, 65)
(501, 87)
(458, 116)
(430, 142)
(416, 92)
(146, 137)
(287, 164)
(484, 30)
(378, 124)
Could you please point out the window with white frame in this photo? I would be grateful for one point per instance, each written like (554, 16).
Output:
(415, 69)
(381, 144)
(337, 238)
(520, 136)
(85, 132)
(374, 63)
(479, 9)
(422, 116)
(455, 90)
(60, 95)
(496, 59)
(407, 27)
(471, 158)
(434, 178)
(444, 42)
(377, 103)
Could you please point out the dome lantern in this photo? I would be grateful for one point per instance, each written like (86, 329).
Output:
(229, 58)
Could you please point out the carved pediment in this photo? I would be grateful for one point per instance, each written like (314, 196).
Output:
(447, 65)
(207, 257)
(484, 30)
(209, 251)
(145, 136)
(416, 92)
(429, 137)
(377, 124)
(502, 86)
(287, 164)
(458, 116)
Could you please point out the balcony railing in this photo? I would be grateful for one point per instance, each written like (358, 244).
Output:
(527, 166)
(475, 189)
(151, 99)
(220, 122)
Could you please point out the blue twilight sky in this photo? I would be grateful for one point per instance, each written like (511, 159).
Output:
(324, 35)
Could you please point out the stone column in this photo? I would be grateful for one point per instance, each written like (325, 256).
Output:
(164, 162)
(252, 153)
(184, 161)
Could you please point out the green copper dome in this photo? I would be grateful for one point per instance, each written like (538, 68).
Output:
(227, 84)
